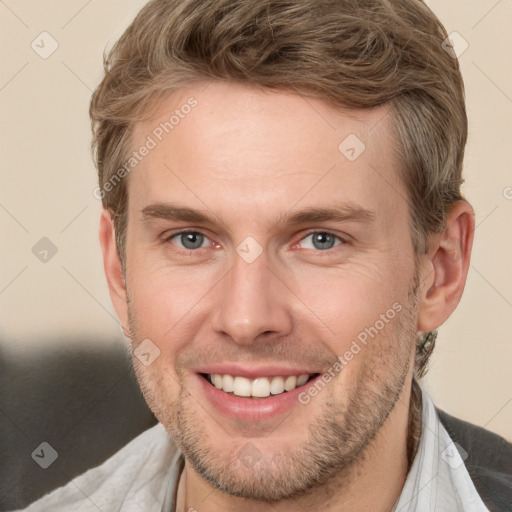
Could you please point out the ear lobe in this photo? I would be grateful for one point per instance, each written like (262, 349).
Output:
(113, 269)
(449, 258)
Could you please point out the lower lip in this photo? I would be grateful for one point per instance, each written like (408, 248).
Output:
(252, 409)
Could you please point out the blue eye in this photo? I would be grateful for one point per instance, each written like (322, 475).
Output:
(318, 240)
(322, 241)
(189, 240)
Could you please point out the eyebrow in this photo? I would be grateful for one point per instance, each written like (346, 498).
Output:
(343, 213)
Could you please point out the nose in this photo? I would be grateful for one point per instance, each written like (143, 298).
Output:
(252, 303)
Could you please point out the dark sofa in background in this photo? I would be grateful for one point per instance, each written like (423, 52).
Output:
(81, 398)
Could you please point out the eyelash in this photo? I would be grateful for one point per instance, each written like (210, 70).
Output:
(186, 232)
(316, 251)
(321, 232)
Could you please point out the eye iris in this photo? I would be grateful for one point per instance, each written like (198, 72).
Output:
(323, 241)
(192, 240)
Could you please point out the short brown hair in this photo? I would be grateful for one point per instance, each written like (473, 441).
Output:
(350, 53)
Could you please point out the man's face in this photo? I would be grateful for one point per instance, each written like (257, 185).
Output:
(299, 251)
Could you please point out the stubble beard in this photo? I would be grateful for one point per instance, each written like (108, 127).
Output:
(338, 439)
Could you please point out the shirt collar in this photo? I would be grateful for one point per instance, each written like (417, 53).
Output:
(438, 480)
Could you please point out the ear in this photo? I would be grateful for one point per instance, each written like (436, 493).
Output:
(113, 272)
(446, 267)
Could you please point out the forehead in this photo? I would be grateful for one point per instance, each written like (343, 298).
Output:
(263, 149)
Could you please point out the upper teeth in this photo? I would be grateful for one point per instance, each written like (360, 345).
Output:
(260, 387)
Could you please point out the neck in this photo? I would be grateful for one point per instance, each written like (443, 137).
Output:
(376, 478)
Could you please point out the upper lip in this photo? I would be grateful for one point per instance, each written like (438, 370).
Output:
(254, 372)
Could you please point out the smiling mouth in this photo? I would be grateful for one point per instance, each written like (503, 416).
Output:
(261, 387)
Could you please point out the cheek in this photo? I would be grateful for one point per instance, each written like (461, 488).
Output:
(162, 296)
(159, 386)
(357, 302)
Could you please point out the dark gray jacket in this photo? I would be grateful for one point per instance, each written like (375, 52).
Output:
(489, 461)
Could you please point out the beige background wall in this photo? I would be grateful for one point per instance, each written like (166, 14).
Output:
(47, 179)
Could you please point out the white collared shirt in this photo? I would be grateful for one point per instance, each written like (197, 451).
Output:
(142, 476)
(438, 480)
